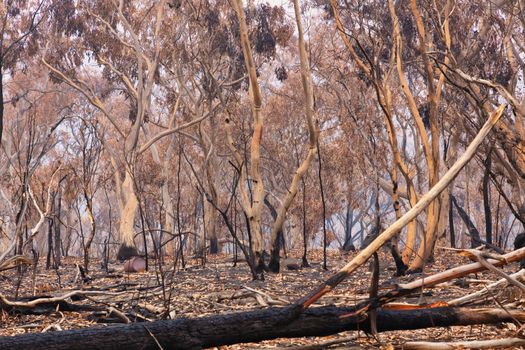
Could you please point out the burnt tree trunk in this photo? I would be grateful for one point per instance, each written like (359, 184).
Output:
(57, 222)
(180, 251)
(50, 227)
(217, 330)
(348, 245)
(475, 239)
(486, 199)
(320, 175)
(451, 222)
(305, 235)
(275, 257)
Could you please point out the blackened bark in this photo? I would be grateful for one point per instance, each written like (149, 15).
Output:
(58, 239)
(320, 173)
(50, 226)
(473, 231)
(451, 222)
(305, 239)
(401, 268)
(275, 257)
(486, 199)
(519, 242)
(217, 330)
(214, 245)
(126, 252)
(348, 245)
(179, 227)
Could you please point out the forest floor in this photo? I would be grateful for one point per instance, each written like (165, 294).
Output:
(219, 287)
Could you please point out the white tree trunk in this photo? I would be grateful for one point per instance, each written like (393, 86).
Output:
(127, 218)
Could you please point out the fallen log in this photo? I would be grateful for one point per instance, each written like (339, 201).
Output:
(251, 326)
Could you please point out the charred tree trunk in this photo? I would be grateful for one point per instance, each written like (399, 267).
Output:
(475, 239)
(204, 233)
(451, 222)
(217, 330)
(320, 175)
(50, 226)
(275, 258)
(144, 236)
(214, 245)
(305, 238)
(180, 251)
(348, 245)
(486, 199)
(58, 239)
(19, 237)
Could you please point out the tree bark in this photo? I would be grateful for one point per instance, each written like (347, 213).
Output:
(50, 226)
(127, 219)
(93, 229)
(217, 330)
(323, 202)
(275, 258)
(486, 199)
(313, 147)
(305, 235)
(57, 222)
(252, 206)
(451, 222)
(475, 239)
(348, 244)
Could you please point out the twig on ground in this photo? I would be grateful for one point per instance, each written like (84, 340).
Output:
(56, 325)
(476, 344)
(269, 299)
(114, 311)
(33, 303)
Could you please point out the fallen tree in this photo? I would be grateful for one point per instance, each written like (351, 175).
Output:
(252, 326)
